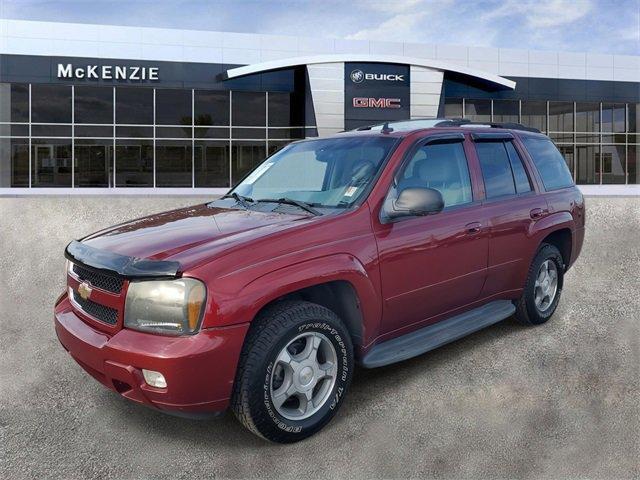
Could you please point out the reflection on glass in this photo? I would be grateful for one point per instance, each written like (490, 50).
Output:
(506, 111)
(14, 99)
(50, 103)
(249, 109)
(587, 164)
(613, 117)
(478, 110)
(453, 108)
(211, 163)
(51, 160)
(173, 163)
(93, 160)
(15, 172)
(587, 117)
(93, 104)
(211, 107)
(633, 164)
(134, 163)
(561, 116)
(567, 152)
(274, 146)
(173, 107)
(134, 105)
(534, 114)
(246, 155)
(613, 164)
(280, 111)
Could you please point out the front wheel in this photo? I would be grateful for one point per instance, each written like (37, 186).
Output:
(542, 291)
(294, 371)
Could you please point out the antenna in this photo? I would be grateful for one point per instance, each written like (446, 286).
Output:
(386, 128)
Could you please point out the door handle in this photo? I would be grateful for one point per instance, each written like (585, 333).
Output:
(472, 228)
(538, 213)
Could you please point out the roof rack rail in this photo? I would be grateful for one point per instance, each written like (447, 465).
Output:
(458, 122)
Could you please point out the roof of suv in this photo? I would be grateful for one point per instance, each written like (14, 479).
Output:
(404, 127)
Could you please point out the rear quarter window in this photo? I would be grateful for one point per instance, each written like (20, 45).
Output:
(549, 162)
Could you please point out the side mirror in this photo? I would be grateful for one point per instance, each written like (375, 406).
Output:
(416, 201)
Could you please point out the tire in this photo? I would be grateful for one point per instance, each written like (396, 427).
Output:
(529, 309)
(288, 331)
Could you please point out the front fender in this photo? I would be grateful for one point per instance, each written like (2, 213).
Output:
(244, 304)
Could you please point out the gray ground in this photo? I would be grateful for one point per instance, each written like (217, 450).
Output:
(561, 400)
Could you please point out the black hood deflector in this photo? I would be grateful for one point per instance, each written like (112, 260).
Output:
(130, 267)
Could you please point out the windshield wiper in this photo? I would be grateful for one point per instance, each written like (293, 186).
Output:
(244, 201)
(291, 201)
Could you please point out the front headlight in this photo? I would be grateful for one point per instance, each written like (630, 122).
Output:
(165, 306)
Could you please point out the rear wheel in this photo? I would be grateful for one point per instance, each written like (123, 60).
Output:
(542, 291)
(294, 371)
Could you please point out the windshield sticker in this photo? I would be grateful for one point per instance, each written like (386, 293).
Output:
(350, 191)
(258, 172)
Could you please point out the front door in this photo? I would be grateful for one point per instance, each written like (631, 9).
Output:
(435, 264)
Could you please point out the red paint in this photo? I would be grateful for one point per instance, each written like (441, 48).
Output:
(406, 274)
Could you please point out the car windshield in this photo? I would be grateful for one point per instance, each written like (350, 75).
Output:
(327, 173)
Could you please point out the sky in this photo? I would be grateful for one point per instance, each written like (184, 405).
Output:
(605, 26)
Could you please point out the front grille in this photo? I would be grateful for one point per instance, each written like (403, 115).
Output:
(103, 281)
(99, 312)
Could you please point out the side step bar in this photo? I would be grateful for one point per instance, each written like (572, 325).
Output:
(434, 336)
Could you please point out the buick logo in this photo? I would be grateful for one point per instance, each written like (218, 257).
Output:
(357, 76)
(84, 289)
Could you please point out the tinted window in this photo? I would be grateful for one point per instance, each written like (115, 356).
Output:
(50, 104)
(496, 169)
(173, 107)
(17, 96)
(134, 105)
(442, 167)
(93, 104)
(519, 173)
(211, 107)
(549, 162)
(249, 109)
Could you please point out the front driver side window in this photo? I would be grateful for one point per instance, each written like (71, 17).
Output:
(443, 167)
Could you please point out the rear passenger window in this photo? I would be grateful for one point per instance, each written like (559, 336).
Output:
(519, 173)
(443, 167)
(549, 162)
(496, 169)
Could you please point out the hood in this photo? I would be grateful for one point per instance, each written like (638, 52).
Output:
(169, 235)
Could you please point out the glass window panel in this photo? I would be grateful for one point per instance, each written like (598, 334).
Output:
(478, 110)
(134, 105)
(173, 132)
(51, 160)
(582, 138)
(134, 163)
(249, 109)
(93, 104)
(246, 156)
(613, 117)
(616, 138)
(280, 112)
(453, 108)
(549, 162)
(587, 168)
(211, 132)
(93, 160)
(173, 163)
(506, 111)
(211, 162)
(211, 107)
(587, 117)
(613, 164)
(173, 106)
(50, 103)
(633, 164)
(519, 173)
(633, 117)
(310, 132)
(275, 146)
(51, 130)
(534, 114)
(285, 133)
(567, 152)
(14, 102)
(14, 169)
(561, 116)
(134, 132)
(93, 131)
(7, 130)
(561, 137)
(249, 133)
(496, 169)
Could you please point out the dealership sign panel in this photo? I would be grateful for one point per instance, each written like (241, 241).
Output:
(375, 93)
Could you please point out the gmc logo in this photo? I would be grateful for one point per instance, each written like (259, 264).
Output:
(363, 102)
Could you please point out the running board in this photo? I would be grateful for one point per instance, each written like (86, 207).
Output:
(434, 336)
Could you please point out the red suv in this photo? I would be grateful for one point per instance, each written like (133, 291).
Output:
(369, 247)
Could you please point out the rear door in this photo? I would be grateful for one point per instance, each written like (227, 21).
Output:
(434, 264)
(510, 208)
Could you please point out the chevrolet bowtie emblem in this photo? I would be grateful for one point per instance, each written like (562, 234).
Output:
(84, 289)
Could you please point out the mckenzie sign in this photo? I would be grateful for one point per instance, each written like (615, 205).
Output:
(107, 72)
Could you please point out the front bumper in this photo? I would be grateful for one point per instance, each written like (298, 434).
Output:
(199, 369)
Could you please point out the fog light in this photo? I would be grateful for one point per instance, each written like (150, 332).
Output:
(155, 379)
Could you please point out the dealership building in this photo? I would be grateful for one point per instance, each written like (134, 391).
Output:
(110, 109)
